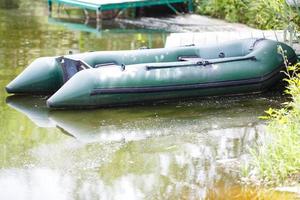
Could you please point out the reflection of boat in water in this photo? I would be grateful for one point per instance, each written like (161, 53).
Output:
(33, 108)
(179, 148)
(134, 123)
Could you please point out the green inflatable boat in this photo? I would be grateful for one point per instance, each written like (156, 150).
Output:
(100, 79)
(46, 75)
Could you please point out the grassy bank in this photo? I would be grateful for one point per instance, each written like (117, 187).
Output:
(263, 14)
(278, 159)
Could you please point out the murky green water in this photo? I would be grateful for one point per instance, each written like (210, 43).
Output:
(180, 150)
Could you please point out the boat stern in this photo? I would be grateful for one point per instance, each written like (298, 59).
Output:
(42, 76)
(75, 92)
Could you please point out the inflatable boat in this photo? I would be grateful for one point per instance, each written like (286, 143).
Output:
(101, 79)
(46, 75)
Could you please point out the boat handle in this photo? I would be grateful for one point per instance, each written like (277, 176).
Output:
(111, 64)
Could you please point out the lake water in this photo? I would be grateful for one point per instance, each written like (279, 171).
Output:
(180, 150)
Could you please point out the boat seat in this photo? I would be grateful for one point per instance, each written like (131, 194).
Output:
(110, 64)
(189, 58)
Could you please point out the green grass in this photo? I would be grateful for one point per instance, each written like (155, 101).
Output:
(277, 160)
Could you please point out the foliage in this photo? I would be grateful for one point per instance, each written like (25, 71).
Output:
(9, 4)
(277, 159)
(264, 14)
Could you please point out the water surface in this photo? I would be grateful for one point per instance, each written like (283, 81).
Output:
(180, 150)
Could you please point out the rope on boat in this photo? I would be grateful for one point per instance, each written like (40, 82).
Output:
(201, 63)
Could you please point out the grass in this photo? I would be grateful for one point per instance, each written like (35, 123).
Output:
(277, 160)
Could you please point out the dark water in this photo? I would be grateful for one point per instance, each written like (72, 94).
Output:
(180, 150)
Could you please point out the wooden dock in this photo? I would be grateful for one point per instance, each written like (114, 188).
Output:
(107, 5)
(214, 38)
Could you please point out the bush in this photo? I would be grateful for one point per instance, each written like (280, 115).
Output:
(9, 4)
(264, 14)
